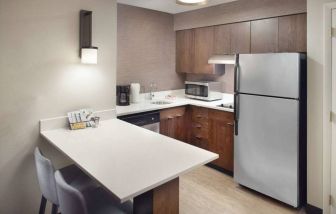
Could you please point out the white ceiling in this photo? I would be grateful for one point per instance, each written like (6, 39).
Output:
(169, 6)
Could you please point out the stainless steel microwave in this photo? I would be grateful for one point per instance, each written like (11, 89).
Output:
(208, 91)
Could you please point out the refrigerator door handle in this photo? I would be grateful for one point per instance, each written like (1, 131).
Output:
(236, 113)
(236, 94)
(236, 75)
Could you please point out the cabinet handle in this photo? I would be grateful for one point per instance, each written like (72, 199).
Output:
(198, 126)
(230, 124)
(199, 116)
(178, 115)
(198, 137)
(169, 118)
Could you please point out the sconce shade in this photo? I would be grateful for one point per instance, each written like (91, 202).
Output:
(89, 55)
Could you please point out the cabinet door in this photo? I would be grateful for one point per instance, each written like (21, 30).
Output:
(221, 138)
(240, 38)
(293, 33)
(221, 142)
(264, 36)
(167, 127)
(172, 123)
(180, 130)
(204, 42)
(222, 37)
(184, 51)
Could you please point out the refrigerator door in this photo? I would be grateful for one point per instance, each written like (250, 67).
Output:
(273, 74)
(266, 148)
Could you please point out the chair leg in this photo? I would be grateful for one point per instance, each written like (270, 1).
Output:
(54, 209)
(43, 205)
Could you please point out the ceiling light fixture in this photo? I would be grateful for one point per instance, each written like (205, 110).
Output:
(191, 2)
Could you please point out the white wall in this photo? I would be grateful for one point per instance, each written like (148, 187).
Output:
(40, 77)
(315, 102)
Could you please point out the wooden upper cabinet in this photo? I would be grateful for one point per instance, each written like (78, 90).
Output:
(232, 38)
(185, 51)
(293, 33)
(240, 38)
(194, 47)
(204, 42)
(222, 39)
(264, 36)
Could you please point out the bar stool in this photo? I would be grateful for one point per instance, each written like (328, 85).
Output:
(45, 174)
(97, 201)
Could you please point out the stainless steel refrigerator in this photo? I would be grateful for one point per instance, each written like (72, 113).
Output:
(270, 125)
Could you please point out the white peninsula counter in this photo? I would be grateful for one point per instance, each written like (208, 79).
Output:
(131, 162)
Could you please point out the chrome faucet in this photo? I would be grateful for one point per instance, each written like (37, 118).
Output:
(152, 87)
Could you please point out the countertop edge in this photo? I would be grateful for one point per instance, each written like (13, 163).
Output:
(122, 199)
(77, 164)
(158, 107)
(126, 198)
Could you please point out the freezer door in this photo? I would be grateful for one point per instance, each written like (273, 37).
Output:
(274, 74)
(266, 147)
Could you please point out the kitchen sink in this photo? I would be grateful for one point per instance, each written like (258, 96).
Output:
(161, 102)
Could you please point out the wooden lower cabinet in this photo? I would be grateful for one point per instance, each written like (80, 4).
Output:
(213, 130)
(199, 132)
(221, 134)
(202, 127)
(173, 123)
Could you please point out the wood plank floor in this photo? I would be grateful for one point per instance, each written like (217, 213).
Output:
(207, 191)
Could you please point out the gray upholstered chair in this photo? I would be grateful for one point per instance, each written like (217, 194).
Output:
(45, 174)
(97, 201)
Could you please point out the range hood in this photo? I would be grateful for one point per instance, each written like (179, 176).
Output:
(223, 59)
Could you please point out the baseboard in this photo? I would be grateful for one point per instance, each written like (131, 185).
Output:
(219, 169)
(310, 209)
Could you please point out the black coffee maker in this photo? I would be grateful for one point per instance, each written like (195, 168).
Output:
(123, 95)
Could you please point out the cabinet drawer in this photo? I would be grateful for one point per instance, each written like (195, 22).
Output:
(199, 141)
(221, 115)
(199, 111)
(200, 130)
(200, 119)
(199, 115)
(172, 113)
(199, 126)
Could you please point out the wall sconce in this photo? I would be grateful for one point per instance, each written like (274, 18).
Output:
(87, 53)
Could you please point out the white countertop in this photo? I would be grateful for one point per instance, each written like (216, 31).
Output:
(126, 159)
(178, 99)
